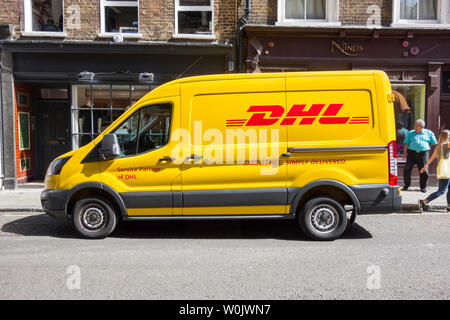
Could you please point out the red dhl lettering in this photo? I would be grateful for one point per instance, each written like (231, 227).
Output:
(271, 114)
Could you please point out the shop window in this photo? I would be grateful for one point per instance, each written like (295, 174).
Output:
(420, 12)
(304, 12)
(119, 16)
(409, 106)
(44, 15)
(145, 130)
(194, 17)
(95, 107)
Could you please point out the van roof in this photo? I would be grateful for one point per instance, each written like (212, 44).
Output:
(174, 84)
(236, 76)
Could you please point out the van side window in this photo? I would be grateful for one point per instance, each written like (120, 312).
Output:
(145, 130)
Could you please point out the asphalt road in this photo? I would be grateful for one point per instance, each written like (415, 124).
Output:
(381, 257)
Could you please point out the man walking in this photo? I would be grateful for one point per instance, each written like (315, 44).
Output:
(417, 144)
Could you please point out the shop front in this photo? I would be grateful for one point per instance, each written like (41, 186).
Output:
(416, 61)
(66, 95)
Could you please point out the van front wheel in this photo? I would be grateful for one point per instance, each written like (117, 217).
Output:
(94, 218)
(323, 218)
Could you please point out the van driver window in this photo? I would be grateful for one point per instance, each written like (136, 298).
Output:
(145, 130)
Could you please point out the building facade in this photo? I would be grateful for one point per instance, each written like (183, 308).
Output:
(408, 39)
(71, 67)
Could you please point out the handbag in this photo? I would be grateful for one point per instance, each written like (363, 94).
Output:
(443, 169)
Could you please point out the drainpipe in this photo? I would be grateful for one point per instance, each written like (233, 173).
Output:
(240, 26)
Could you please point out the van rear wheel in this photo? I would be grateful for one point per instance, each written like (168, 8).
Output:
(322, 218)
(94, 218)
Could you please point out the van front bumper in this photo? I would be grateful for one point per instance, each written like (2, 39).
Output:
(378, 198)
(53, 203)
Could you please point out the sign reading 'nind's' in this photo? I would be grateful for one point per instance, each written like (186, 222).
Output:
(346, 48)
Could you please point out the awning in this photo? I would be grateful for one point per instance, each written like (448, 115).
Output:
(400, 104)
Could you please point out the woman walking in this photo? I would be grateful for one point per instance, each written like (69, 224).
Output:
(441, 152)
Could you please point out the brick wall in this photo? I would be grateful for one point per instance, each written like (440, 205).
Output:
(156, 17)
(225, 19)
(11, 12)
(355, 12)
(263, 11)
(89, 19)
(351, 12)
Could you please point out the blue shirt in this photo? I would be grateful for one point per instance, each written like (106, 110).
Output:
(420, 141)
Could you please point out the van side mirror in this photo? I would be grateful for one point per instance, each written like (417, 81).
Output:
(110, 148)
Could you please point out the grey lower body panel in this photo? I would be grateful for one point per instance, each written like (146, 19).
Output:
(53, 203)
(378, 198)
(156, 199)
(235, 197)
(206, 198)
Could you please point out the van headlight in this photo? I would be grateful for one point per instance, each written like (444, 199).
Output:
(56, 166)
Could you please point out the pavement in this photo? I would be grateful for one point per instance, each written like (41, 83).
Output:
(27, 199)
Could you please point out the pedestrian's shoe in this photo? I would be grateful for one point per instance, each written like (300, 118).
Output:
(424, 190)
(405, 188)
(424, 206)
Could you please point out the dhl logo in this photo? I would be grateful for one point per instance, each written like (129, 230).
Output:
(271, 114)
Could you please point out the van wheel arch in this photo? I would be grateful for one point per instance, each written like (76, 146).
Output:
(91, 190)
(328, 188)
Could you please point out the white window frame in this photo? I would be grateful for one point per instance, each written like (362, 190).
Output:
(442, 21)
(331, 16)
(28, 21)
(178, 8)
(106, 3)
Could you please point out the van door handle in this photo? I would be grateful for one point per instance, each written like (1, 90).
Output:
(286, 155)
(194, 157)
(167, 159)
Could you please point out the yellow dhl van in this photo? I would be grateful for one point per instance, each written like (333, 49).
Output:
(318, 147)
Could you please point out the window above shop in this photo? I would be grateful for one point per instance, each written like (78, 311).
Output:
(194, 19)
(421, 13)
(119, 17)
(44, 18)
(308, 12)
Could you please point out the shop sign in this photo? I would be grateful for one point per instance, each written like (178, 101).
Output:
(346, 48)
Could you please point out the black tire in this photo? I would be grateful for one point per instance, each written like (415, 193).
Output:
(322, 218)
(94, 218)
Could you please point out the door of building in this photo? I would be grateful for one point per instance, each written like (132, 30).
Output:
(445, 115)
(53, 133)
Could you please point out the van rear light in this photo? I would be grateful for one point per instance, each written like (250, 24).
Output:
(393, 174)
